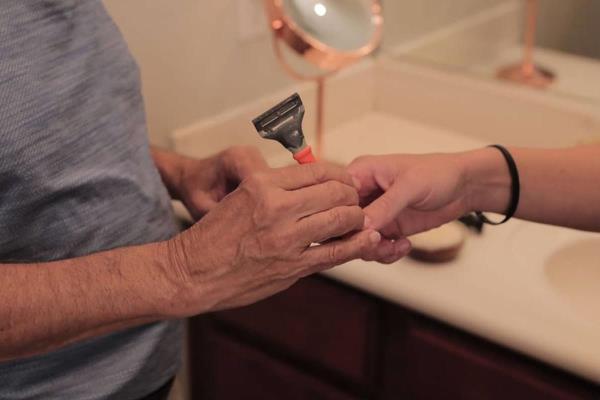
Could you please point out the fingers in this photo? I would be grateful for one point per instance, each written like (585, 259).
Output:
(243, 161)
(387, 251)
(299, 176)
(324, 196)
(383, 210)
(411, 221)
(381, 194)
(366, 171)
(200, 204)
(330, 224)
(338, 252)
(386, 208)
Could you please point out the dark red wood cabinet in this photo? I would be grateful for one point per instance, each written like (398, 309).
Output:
(323, 340)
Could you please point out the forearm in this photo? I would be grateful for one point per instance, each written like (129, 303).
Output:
(560, 187)
(48, 305)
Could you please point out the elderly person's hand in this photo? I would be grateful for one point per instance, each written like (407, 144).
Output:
(201, 183)
(260, 238)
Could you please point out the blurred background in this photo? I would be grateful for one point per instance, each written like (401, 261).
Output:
(464, 326)
(199, 58)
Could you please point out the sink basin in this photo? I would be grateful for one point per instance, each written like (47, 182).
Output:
(574, 272)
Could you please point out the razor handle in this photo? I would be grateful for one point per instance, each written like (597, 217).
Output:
(305, 156)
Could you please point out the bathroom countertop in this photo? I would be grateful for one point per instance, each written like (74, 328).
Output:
(530, 287)
(505, 285)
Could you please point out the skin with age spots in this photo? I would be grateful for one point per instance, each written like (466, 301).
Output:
(253, 240)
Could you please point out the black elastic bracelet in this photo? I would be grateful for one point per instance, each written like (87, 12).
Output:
(515, 192)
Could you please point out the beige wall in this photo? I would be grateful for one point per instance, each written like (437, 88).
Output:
(571, 25)
(409, 19)
(194, 65)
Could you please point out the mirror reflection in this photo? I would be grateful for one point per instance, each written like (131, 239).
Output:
(344, 25)
(482, 37)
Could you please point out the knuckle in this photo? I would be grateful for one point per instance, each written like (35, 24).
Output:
(336, 218)
(274, 203)
(351, 196)
(341, 193)
(358, 216)
(254, 181)
(317, 171)
(362, 159)
(334, 254)
(270, 207)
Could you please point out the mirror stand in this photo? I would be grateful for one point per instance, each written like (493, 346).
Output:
(320, 48)
(526, 72)
(320, 80)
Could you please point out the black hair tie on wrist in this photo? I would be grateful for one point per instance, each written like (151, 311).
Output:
(515, 192)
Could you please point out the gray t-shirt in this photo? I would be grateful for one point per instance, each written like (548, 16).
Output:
(76, 177)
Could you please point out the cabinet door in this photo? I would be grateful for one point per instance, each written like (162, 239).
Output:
(427, 360)
(319, 322)
(236, 371)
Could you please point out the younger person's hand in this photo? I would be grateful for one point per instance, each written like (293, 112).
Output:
(407, 194)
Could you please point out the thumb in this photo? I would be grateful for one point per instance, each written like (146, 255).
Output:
(200, 204)
(386, 208)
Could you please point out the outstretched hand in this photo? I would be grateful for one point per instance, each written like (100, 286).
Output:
(407, 194)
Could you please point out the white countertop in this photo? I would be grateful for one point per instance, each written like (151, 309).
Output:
(499, 287)
(530, 287)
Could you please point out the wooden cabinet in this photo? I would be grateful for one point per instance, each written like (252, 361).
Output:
(316, 322)
(241, 372)
(323, 340)
(426, 360)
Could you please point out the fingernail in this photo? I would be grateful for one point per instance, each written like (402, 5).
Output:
(375, 237)
(367, 221)
(403, 246)
(356, 183)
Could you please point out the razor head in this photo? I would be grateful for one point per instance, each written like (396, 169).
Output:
(283, 123)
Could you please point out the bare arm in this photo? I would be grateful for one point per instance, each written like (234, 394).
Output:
(559, 187)
(254, 243)
(48, 305)
(406, 194)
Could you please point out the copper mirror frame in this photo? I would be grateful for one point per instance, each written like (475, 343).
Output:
(316, 52)
(326, 58)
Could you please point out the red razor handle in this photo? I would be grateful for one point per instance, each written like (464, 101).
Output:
(305, 156)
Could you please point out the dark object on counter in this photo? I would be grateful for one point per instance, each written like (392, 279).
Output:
(439, 245)
(435, 257)
(472, 222)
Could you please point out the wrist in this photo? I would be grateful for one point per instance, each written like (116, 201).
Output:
(164, 283)
(183, 294)
(488, 181)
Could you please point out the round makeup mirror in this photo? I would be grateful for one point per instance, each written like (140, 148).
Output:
(328, 33)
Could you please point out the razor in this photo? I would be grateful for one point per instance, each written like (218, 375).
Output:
(283, 123)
